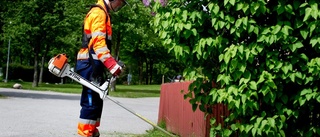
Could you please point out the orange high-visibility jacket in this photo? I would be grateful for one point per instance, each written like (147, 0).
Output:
(97, 25)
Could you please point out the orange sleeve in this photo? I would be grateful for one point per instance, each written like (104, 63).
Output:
(96, 25)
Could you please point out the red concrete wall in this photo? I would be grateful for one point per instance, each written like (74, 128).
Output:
(177, 112)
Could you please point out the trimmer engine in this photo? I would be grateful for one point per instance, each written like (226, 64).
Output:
(58, 64)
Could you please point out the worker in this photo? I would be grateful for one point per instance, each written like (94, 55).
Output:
(92, 58)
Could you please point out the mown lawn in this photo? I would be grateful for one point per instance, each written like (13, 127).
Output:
(129, 91)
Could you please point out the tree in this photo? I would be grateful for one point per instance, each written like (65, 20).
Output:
(140, 47)
(44, 29)
(263, 56)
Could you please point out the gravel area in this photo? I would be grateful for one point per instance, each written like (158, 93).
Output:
(51, 114)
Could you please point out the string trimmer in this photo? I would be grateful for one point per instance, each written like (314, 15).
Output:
(59, 66)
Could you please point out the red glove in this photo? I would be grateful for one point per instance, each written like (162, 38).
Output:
(113, 66)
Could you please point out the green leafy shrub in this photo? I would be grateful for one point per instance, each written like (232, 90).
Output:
(264, 56)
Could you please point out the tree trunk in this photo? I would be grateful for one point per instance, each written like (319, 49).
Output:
(35, 67)
(151, 70)
(117, 48)
(41, 70)
(140, 65)
(116, 55)
(147, 72)
(42, 63)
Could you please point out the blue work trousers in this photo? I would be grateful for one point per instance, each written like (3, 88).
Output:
(91, 103)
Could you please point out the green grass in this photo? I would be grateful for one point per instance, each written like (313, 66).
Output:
(1, 96)
(156, 132)
(135, 91)
(129, 91)
(150, 133)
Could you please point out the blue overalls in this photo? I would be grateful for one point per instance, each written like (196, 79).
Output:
(91, 103)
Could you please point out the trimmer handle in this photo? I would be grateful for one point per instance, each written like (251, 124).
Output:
(120, 63)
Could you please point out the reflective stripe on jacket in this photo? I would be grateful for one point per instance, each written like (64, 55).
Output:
(97, 25)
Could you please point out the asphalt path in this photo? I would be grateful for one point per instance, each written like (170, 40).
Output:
(51, 114)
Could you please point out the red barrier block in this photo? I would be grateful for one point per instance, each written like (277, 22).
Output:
(177, 112)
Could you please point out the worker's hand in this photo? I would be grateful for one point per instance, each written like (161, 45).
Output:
(114, 68)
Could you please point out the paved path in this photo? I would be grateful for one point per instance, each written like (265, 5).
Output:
(50, 114)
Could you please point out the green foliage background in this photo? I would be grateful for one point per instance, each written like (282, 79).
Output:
(263, 56)
(39, 30)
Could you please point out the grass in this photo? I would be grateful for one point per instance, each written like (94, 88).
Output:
(155, 132)
(128, 91)
(150, 133)
(1, 96)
